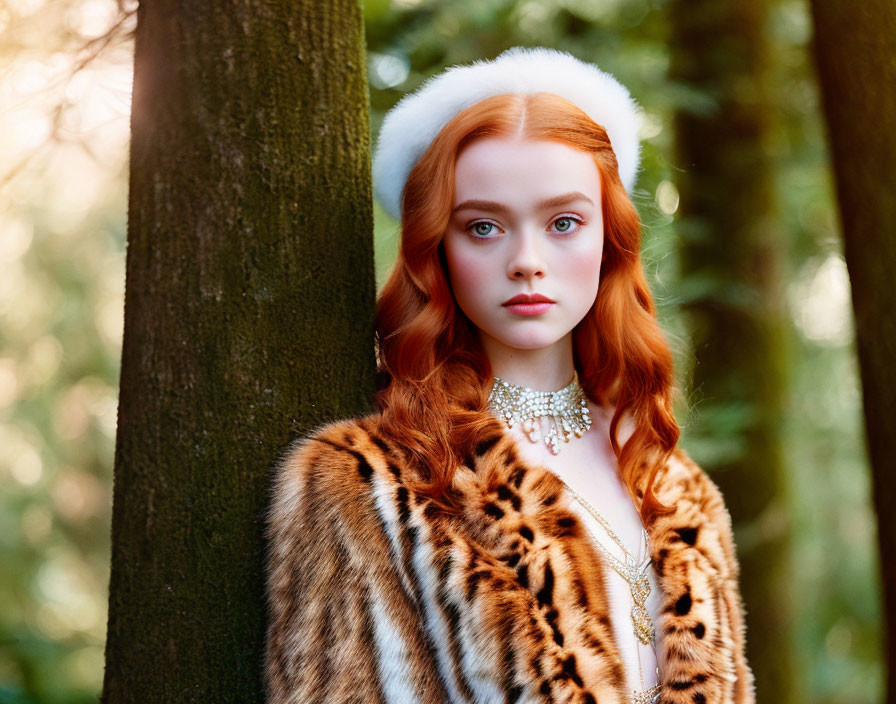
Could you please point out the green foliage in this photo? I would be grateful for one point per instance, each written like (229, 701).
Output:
(62, 225)
(62, 236)
(61, 336)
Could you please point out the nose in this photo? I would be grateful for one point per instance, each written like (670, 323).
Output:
(526, 260)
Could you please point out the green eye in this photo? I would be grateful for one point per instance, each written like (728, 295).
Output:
(566, 224)
(483, 228)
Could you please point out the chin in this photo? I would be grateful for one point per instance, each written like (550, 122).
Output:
(528, 342)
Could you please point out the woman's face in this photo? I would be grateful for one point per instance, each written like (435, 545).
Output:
(526, 220)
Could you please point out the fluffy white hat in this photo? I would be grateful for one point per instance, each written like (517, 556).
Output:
(412, 124)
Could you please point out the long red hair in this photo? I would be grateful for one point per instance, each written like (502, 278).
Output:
(434, 375)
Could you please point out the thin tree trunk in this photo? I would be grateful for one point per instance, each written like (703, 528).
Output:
(854, 51)
(248, 318)
(733, 258)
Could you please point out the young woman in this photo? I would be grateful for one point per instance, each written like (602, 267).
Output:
(515, 523)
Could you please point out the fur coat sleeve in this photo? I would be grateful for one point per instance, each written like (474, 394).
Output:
(376, 596)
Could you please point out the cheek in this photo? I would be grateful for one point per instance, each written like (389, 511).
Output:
(467, 272)
(585, 267)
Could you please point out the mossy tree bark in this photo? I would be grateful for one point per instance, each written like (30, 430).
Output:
(732, 259)
(248, 319)
(853, 48)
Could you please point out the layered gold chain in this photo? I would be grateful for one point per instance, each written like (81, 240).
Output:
(635, 574)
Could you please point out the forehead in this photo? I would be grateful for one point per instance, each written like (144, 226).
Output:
(512, 168)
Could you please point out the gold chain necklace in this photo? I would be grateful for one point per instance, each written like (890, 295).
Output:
(636, 575)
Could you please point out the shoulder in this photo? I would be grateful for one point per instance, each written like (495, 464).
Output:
(682, 479)
(696, 499)
(329, 464)
(698, 503)
(696, 539)
(339, 440)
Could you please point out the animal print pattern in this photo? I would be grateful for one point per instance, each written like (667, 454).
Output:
(377, 596)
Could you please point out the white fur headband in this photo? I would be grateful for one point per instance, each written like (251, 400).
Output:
(413, 123)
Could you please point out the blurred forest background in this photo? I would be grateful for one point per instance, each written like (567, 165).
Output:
(65, 82)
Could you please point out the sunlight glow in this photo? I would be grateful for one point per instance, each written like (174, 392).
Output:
(92, 18)
(9, 385)
(388, 70)
(667, 197)
(820, 302)
(76, 494)
(651, 125)
(15, 239)
(27, 468)
(24, 7)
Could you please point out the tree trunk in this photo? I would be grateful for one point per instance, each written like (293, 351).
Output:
(248, 318)
(854, 52)
(732, 260)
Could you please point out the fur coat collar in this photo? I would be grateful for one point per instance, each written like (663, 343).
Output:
(376, 596)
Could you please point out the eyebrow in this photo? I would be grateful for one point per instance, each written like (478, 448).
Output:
(496, 207)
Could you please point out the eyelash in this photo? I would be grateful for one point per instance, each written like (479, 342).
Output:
(572, 218)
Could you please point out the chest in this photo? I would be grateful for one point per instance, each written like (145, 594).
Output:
(604, 505)
(523, 538)
(588, 467)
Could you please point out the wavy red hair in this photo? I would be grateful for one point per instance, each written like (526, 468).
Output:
(434, 375)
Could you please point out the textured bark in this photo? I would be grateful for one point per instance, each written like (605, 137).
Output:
(732, 257)
(248, 318)
(855, 58)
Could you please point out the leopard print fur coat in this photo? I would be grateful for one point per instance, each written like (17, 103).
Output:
(376, 596)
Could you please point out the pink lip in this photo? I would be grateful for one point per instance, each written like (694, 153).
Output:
(527, 298)
(528, 308)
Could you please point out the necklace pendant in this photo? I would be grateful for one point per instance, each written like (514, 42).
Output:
(644, 629)
(640, 589)
(566, 410)
(646, 696)
(531, 429)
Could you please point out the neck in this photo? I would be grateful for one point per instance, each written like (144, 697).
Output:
(543, 369)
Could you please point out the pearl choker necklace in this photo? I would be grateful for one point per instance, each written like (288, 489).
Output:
(566, 410)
